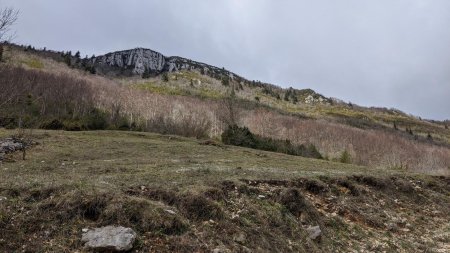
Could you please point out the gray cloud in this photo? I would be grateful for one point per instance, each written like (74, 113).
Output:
(392, 53)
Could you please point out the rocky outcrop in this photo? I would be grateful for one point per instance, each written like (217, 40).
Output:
(139, 60)
(11, 145)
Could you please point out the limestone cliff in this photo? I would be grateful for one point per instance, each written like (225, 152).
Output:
(137, 61)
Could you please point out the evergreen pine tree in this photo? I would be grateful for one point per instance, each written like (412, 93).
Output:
(165, 77)
(68, 59)
(225, 81)
(287, 95)
(146, 73)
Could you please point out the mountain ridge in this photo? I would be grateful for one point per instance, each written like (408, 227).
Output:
(141, 59)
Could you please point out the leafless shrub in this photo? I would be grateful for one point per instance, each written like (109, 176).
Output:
(49, 94)
(188, 125)
(375, 147)
(229, 112)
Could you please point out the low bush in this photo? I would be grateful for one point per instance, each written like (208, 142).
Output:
(199, 208)
(345, 157)
(97, 120)
(314, 186)
(293, 200)
(241, 136)
(54, 124)
(185, 126)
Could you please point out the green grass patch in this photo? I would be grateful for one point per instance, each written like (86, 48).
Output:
(161, 89)
(33, 63)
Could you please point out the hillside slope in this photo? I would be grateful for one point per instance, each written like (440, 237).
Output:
(45, 89)
(181, 195)
(192, 78)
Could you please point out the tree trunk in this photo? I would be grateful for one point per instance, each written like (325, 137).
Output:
(1, 52)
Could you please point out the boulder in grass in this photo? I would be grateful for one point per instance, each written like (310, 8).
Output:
(314, 232)
(109, 238)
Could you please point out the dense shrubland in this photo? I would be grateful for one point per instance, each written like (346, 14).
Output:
(372, 147)
(35, 99)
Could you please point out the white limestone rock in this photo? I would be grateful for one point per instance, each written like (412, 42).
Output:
(139, 59)
(314, 232)
(109, 238)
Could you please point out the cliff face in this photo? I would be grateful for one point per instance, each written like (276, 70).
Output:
(137, 61)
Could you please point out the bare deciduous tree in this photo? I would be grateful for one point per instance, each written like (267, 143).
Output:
(8, 16)
(229, 113)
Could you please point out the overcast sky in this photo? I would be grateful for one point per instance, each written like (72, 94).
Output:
(387, 53)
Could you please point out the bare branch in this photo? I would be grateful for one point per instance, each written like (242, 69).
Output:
(8, 17)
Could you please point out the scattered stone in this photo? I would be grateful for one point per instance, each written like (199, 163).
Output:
(303, 218)
(246, 250)
(314, 232)
(261, 196)
(392, 227)
(109, 238)
(234, 215)
(240, 238)
(221, 250)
